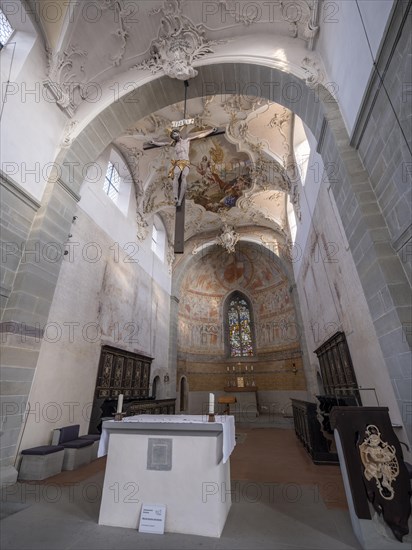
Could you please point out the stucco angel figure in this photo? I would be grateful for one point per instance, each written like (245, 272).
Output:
(180, 163)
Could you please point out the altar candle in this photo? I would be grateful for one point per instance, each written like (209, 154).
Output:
(227, 369)
(251, 367)
(211, 403)
(120, 403)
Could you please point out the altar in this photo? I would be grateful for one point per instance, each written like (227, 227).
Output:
(246, 405)
(181, 461)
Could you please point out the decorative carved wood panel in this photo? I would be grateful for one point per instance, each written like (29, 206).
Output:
(336, 367)
(123, 372)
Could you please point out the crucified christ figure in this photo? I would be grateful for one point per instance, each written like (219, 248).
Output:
(180, 164)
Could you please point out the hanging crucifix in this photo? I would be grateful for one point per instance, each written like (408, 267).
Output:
(179, 169)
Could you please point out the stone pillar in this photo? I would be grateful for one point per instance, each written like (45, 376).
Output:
(174, 308)
(26, 311)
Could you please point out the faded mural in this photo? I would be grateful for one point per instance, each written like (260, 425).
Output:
(206, 286)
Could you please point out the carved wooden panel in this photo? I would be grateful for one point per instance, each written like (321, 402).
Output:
(122, 372)
(375, 467)
(336, 367)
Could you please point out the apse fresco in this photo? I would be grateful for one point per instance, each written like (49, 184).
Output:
(207, 285)
(219, 175)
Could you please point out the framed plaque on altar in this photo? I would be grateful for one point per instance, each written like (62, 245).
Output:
(240, 382)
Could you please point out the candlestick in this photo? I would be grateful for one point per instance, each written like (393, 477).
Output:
(211, 403)
(120, 403)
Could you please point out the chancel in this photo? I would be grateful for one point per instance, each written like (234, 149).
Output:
(229, 342)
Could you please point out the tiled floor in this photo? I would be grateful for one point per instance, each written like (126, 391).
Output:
(280, 500)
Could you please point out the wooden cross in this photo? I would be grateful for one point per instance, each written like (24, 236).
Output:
(180, 209)
(179, 245)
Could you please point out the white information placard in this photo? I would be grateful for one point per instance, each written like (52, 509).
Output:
(152, 518)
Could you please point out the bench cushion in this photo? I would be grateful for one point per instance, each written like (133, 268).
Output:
(43, 450)
(92, 437)
(69, 433)
(77, 443)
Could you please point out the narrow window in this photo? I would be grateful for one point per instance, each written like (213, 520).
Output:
(6, 30)
(112, 182)
(155, 237)
(240, 329)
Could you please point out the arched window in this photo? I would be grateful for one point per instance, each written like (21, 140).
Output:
(158, 238)
(239, 322)
(6, 30)
(112, 182)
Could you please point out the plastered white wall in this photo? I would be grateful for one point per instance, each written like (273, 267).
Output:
(332, 299)
(343, 47)
(104, 301)
(31, 124)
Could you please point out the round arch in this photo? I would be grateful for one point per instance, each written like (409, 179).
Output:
(283, 263)
(348, 179)
(311, 105)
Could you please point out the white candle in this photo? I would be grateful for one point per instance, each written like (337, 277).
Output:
(120, 403)
(211, 403)
(251, 368)
(246, 368)
(227, 369)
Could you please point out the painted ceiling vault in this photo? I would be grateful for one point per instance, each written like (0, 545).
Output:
(238, 176)
(241, 176)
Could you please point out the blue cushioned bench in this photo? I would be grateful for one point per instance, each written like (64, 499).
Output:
(41, 462)
(77, 451)
(96, 442)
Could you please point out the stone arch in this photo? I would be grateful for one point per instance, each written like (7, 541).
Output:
(283, 263)
(312, 105)
(362, 220)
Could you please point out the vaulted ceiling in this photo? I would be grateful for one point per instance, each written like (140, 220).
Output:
(114, 45)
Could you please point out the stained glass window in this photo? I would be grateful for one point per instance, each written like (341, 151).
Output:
(240, 331)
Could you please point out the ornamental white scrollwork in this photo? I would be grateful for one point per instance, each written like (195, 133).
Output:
(313, 73)
(178, 44)
(122, 13)
(142, 227)
(66, 76)
(228, 238)
(379, 461)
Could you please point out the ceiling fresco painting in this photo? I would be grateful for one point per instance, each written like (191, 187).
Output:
(219, 175)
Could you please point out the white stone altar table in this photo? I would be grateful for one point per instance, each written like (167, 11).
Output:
(181, 461)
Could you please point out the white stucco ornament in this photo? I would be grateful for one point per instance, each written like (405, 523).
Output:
(65, 78)
(379, 461)
(228, 238)
(178, 44)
